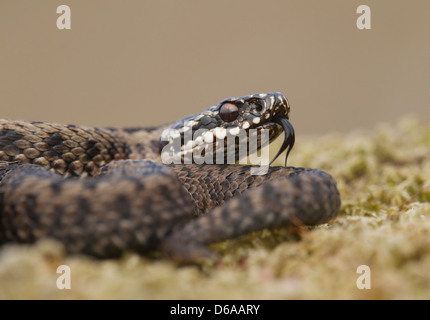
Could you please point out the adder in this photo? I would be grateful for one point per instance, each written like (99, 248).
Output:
(104, 191)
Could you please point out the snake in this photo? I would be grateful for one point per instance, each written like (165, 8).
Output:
(106, 191)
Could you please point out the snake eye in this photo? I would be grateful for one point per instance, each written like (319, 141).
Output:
(229, 112)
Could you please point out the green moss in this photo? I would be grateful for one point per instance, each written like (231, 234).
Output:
(384, 180)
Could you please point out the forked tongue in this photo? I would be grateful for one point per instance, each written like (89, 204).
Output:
(289, 138)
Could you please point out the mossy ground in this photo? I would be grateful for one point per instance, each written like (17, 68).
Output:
(384, 179)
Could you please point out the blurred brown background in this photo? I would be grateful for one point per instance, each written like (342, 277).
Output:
(134, 62)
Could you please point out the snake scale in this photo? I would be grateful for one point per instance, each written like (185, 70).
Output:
(104, 191)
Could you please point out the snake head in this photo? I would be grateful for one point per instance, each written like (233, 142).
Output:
(244, 118)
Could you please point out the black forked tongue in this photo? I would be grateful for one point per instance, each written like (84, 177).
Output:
(289, 138)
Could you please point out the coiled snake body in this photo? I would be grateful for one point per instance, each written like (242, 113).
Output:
(119, 196)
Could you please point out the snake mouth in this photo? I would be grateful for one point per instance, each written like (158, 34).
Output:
(278, 125)
(289, 138)
(216, 140)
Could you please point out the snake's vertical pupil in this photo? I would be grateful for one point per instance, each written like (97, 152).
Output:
(229, 112)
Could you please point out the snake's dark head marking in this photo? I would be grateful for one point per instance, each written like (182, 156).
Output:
(269, 111)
